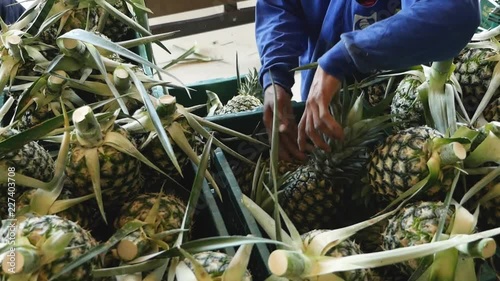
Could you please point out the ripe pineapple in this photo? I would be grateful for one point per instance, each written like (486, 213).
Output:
(118, 171)
(314, 193)
(171, 211)
(345, 248)
(247, 97)
(36, 228)
(31, 160)
(406, 105)
(414, 224)
(215, 263)
(400, 162)
(376, 91)
(474, 72)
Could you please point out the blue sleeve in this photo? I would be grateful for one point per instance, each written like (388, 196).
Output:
(423, 31)
(10, 11)
(281, 39)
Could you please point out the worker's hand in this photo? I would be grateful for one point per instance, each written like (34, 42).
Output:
(288, 148)
(317, 119)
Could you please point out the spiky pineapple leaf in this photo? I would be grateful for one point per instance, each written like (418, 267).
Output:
(195, 190)
(41, 16)
(146, 40)
(129, 268)
(156, 120)
(215, 243)
(99, 249)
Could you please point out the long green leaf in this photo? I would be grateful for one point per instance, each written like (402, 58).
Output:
(155, 119)
(196, 188)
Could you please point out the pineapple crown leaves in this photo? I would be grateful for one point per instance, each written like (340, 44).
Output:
(91, 134)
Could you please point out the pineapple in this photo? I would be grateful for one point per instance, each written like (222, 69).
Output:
(344, 248)
(414, 224)
(474, 72)
(37, 229)
(77, 15)
(314, 193)
(376, 91)
(406, 106)
(169, 217)
(115, 29)
(215, 263)
(118, 171)
(246, 99)
(400, 162)
(31, 160)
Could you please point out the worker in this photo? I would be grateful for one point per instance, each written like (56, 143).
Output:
(10, 11)
(345, 38)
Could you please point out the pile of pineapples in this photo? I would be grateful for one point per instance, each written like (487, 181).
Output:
(97, 159)
(419, 164)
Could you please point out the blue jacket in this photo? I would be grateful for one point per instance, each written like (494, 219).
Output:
(346, 38)
(10, 11)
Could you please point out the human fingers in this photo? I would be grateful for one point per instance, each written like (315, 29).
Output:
(326, 124)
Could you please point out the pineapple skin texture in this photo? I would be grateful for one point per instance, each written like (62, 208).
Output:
(414, 224)
(400, 162)
(31, 160)
(474, 74)
(310, 200)
(215, 263)
(240, 103)
(170, 214)
(119, 172)
(37, 226)
(406, 105)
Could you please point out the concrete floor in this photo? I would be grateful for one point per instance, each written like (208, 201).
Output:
(220, 45)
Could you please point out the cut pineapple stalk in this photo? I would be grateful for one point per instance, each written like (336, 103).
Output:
(452, 153)
(133, 246)
(87, 128)
(121, 78)
(21, 260)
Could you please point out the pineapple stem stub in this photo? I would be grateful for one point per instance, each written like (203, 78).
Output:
(88, 130)
(167, 106)
(73, 47)
(55, 83)
(451, 153)
(21, 260)
(482, 249)
(289, 263)
(121, 78)
(132, 246)
(14, 41)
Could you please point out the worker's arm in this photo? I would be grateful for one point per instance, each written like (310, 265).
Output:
(423, 31)
(281, 39)
(10, 10)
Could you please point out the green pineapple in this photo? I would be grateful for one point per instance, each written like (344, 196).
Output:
(400, 162)
(406, 106)
(474, 72)
(31, 160)
(37, 229)
(247, 97)
(414, 224)
(344, 248)
(94, 149)
(313, 195)
(169, 217)
(215, 263)
(376, 91)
